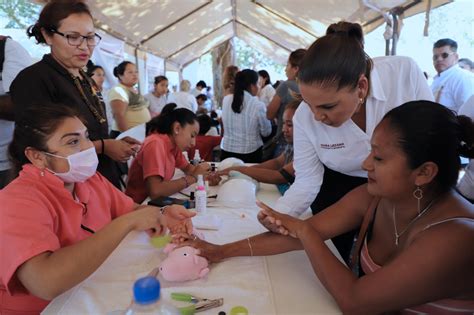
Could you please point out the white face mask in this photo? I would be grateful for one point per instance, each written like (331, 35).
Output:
(82, 165)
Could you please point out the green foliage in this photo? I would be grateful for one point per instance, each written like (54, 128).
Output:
(248, 58)
(19, 13)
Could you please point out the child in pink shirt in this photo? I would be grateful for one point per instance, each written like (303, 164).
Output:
(151, 172)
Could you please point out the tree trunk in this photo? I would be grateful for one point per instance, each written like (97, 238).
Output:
(222, 56)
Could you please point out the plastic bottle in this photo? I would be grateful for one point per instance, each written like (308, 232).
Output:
(185, 154)
(201, 196)
(197, 157)
(146, 299)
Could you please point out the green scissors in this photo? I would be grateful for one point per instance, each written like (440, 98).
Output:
(199, 304)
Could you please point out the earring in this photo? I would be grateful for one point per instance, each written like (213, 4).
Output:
(175, 132)
(418, 194)
(361, 101)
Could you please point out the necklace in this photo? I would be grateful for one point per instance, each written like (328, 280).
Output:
(398, 235)
(95, 108)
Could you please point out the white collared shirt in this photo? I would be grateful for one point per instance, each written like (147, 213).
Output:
(393, 81)
(243, 132)
(453, 87)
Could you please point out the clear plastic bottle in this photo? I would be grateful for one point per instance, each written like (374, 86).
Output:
(197, 157)
(147, 299)
(185, 153)
(201, 196)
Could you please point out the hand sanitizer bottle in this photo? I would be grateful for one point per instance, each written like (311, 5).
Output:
(201, 196)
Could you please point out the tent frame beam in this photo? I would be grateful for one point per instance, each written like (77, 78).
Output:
(400, 10)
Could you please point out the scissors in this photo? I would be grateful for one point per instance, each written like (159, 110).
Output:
(199, 304)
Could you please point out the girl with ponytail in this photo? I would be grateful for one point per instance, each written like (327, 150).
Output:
(244, 118)
(151, 172)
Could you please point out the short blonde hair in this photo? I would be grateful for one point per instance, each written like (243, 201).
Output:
(185, 86)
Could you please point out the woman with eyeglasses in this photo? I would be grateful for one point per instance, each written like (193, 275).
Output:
(68, 28)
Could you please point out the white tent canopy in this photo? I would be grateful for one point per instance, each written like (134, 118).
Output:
(180, 31)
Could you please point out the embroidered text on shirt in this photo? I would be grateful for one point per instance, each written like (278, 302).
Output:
(333, 146)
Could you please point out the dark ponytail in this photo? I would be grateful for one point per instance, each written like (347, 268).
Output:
(336, 59)
(34, 127)
(243, 80)
(428, 131)
(119, 70)
(163, 123)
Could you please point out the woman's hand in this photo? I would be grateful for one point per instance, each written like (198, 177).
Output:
(175, 218)
(227, 170)
(201, 169)
(211, 252)
(213, 179)
(145, 218)
(277, 222)
(121, 150)
(178, 219)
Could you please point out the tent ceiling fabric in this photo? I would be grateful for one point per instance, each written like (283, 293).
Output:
(183, 30)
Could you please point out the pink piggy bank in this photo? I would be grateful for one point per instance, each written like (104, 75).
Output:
(183, 264)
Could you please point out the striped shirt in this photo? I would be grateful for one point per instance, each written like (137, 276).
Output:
(243, 131)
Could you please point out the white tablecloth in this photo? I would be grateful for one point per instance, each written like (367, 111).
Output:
(280, 284)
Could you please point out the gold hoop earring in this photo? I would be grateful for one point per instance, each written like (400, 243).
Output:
(418, 194)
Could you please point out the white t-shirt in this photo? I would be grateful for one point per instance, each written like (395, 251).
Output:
(16, 59)
(393, 81)
(453, 87)
(184, 100)
(266, 94)
(156, 103)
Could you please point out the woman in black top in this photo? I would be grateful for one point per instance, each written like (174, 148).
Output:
(69, 30)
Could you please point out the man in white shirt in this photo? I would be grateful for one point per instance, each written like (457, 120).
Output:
(16, 58)
(452, 86)
(199, 89)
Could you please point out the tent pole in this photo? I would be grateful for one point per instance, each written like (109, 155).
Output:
(136, 63)
(395, 34)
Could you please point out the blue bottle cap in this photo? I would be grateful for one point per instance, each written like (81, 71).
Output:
(146, 290)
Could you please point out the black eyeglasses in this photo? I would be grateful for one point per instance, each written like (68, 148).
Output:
(442, 55)
(75, 39)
